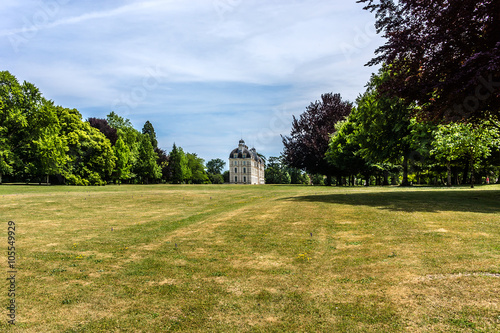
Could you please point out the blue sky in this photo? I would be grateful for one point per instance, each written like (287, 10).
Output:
(204, 72)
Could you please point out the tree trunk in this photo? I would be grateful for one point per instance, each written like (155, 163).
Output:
(472, 180)
(405, 171)
(0, 178)
(47, 179)
(448, 167)
(386, 177)
(466, 173)
(455, 180)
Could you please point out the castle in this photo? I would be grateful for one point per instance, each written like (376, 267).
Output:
(245, 166)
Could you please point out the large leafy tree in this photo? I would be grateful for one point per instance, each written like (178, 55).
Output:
(344, 151)
(445, 55)
(91, 159)
(214, 170)
(383, 126)
(12, 120)
(447, 145)
(475, 142)
(215, 166)
(307, 144)
(30, 144)
(196, 165)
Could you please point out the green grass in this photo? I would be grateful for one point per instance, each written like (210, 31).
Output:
(253, 259)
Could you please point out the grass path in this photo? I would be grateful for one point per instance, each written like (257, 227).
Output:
(253, 259)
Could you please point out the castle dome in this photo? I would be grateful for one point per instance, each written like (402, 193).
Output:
(243, 150)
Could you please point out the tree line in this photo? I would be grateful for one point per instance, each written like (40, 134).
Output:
(431, 113)
(43, 142)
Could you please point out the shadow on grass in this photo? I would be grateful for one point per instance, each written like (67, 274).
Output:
(487, 201)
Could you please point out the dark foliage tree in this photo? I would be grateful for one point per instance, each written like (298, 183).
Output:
(226, 176)
(216, 178)
(307, 144)
(103, 126)
(162, 161)
(445, 55)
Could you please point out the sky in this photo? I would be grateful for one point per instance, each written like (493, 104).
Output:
(205, 73)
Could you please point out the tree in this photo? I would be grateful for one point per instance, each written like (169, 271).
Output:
(150, 131)
(178, 168)
(307, 144)
(276, 172)
(447, 145)
(130, 136)
(344, 151)
(197, 167)
(226, 176)
(444, 55)
(12, 120)
(383, 126)
(216, 178)
(215, 166)
(146, 167)
(118, 122)
(297, 176)
(50, 151)
(162, 160)
(103, 126)
(472, 141)
(90, 156)
(122, 154)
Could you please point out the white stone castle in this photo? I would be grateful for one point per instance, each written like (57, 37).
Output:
(245, 166)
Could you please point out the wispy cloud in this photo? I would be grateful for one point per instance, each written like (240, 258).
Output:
(191, 66)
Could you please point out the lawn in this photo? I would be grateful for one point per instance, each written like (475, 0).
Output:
(226, 258)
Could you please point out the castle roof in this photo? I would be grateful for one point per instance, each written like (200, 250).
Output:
(249, 153)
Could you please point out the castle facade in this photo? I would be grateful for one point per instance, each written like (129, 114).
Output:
(245, 166)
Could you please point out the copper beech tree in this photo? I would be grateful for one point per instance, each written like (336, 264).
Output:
(307, 144)
(442, 54)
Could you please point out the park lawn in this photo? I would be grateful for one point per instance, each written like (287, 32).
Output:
(190, 258)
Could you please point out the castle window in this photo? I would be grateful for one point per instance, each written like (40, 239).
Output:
(235, 170)
(235, 179)
(244, 179)
(244, 170)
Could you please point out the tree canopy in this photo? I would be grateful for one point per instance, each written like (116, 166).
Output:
(307, 144)
(443, 55)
